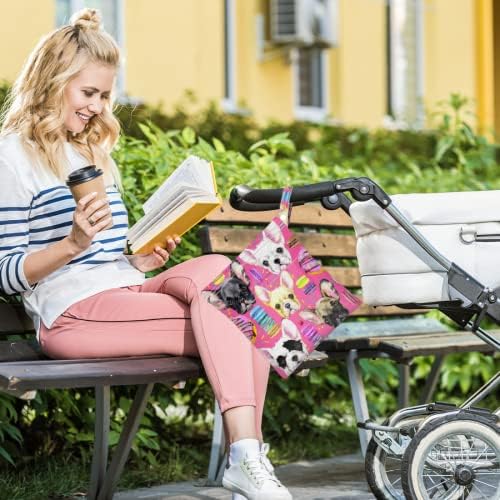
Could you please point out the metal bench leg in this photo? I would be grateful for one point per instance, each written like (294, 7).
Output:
(101, 425)
(358, 397)
(218, 456)
(432, 380)
(125, 443)
(404, 385)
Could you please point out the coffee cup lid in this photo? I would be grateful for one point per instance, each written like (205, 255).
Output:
(83, 175)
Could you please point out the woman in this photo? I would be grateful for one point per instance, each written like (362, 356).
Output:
(87, 298)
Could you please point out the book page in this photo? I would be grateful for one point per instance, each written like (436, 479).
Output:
(193, 171)
(182, 216)
(178, 197)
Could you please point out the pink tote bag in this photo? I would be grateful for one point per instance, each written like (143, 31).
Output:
(279, 296)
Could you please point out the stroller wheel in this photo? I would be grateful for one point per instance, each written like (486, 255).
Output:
(383, 473)
(454, 457)
(383, 470)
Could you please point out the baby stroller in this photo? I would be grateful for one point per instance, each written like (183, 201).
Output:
(438, 450)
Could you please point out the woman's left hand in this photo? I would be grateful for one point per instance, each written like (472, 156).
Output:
(156, 259)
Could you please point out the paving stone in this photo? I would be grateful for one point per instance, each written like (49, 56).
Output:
(339, 478)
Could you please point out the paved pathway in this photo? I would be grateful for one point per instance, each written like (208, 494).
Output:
(339, 478)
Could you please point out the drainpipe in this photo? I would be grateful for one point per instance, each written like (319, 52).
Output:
(484, 66)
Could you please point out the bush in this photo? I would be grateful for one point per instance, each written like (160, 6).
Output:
(276, 162)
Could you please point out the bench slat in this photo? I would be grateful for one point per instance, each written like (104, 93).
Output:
(63, 374)
(348, 276)
(353, 335)
(445, 343)
(410, 345)
(20, 350)
(393, 327)
(13, 319)
(312, 215)
(233, 241)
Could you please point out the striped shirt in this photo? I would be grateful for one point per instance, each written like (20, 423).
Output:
(36, 209)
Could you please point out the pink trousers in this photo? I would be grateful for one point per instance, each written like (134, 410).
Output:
(166, 315)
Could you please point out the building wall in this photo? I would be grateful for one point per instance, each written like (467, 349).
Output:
(23, 24)
(449, 50)
(263, 86)
(267, 86)
(358, 84)
(172, 46)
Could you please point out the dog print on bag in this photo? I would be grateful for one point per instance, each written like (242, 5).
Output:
(288, 353)
(234, 292)
(282, 299)
(328, 308)
(271, 253)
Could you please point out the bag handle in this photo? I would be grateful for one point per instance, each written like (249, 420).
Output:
(285, 205)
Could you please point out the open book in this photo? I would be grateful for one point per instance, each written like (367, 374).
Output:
(184, 199)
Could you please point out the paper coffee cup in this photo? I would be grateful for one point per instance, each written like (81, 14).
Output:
(87, 180)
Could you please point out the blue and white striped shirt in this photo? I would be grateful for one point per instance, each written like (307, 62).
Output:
(36, 209)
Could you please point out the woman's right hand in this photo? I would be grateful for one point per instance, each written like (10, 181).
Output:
(89, 218)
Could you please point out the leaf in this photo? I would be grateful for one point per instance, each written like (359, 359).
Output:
(465, 383)
(218, 145)
(469, 134)
(335, 380)
(206, 149)
(189, 135)
(85, 437)
(6, 456)
(443, 145)
(148, 432)
(148, 133)
(113, 438)
(257, 145)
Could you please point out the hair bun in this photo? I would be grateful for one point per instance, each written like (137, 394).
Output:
(88, 19)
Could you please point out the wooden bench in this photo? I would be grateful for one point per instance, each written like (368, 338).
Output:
(24, 370)
(387, 332)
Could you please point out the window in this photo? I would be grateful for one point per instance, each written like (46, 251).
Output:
(405, 64)
(112, 19)
(310, 84)
(229, 101)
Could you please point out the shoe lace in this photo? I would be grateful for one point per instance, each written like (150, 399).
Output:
(264, 450)
(258, 471)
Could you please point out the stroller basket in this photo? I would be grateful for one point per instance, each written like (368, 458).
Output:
(401, 252)
(396, 270)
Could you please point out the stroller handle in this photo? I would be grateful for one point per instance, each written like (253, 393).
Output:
(331, 195)
(247, 199)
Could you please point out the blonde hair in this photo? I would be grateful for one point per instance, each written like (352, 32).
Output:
(35, 107)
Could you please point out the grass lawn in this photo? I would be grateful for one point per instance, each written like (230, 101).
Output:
(60, 478)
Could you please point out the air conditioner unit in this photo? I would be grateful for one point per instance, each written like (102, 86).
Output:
(304, 22)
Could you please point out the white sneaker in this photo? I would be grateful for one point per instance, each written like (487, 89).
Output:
(264, 450)
(237, 496)
(252, 479)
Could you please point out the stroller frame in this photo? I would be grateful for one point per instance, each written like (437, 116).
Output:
(470, 301)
